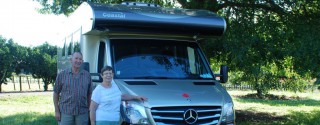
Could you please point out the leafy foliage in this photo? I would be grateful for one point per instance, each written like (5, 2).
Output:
(272, 44)
(12, 58)
(5, 61)
(43, 63)
(40, 61)
(261, 40)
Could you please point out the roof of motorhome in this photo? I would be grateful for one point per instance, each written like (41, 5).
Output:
(132, 18)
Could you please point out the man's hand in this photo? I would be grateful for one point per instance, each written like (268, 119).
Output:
(57, 116)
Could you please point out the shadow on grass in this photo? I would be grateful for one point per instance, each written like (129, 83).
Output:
(294, 118)
(32, 118)
(304, 102)
(304, 118)
(251, 117)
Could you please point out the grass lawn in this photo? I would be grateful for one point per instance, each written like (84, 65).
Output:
(301, 108)
(291, 109)
(27, 109)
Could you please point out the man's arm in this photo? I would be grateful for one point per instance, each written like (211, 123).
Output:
(89, 99)
(56, 106)
(91, 87)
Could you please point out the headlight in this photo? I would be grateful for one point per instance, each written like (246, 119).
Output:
(136, 113)
(228, 113)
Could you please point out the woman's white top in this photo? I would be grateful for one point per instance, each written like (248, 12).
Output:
(108, 100)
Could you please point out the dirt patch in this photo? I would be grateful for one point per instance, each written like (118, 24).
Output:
(243, 116)
(257, 117)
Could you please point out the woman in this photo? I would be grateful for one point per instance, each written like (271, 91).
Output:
(106, 99)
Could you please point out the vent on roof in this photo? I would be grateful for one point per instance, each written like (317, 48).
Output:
(140, 4)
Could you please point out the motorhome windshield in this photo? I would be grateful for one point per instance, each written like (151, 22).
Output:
(162, 59)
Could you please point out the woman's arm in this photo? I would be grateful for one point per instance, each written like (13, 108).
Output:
(127, 97)
(93, 108)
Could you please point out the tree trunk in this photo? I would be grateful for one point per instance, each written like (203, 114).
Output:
(28, 83)
(39, 84)
(258, 87)
(45, 85)
(259, 93)
(20, 83)
(14, 84)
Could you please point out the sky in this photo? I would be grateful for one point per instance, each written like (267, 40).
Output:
(20, 21)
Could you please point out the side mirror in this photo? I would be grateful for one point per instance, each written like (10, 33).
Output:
(223, 74)
(94, 76)
(85, 66)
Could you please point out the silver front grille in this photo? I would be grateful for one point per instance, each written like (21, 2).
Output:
(208, 115)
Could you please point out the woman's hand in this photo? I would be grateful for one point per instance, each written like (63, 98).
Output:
(141, 98)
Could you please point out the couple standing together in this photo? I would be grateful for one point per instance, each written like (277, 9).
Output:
(73, 95)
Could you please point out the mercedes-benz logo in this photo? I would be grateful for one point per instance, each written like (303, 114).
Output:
(190, 116)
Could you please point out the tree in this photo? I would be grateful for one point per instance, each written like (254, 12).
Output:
(261, 36)
(43, 63)
(304, 38)
(19, 56)
(5, 61)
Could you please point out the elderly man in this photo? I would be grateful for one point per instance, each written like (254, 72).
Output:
(72, 94)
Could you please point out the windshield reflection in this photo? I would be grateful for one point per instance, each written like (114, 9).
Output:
(152, 66)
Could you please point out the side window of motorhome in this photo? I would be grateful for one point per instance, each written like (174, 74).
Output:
(196, 63)
(72, 43)
(63, 50)
(166, 58)
(70, 48)
(76, 36)
(77, 46)
(69, 45)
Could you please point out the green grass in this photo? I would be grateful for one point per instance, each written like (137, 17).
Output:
(31, 118)
(37, 109)
(303, 109)
(23, 109)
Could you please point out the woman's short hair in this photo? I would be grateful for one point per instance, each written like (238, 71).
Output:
(106, 68)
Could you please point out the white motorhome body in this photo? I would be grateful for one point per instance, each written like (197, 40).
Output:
(154, 53)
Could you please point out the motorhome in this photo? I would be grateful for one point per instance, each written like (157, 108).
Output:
(155, 53)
